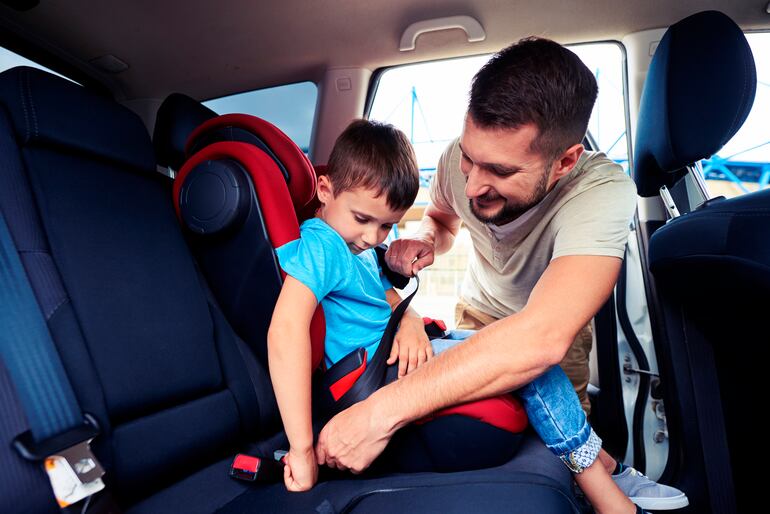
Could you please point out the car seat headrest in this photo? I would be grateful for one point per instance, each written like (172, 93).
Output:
(684, 115)
(177, 117)
(290, 159)
(47, 110)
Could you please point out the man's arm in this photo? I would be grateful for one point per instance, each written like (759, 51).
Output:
(502, 357)
(436, 235)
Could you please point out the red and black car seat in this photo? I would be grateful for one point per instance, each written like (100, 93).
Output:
(242, 192)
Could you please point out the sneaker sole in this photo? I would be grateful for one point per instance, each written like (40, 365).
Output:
(672, 503)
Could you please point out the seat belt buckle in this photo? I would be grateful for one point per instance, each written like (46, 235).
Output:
(256, 469)
(434, 328)
(72, 468)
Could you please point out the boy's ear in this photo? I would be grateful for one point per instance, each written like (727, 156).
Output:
(324, 190)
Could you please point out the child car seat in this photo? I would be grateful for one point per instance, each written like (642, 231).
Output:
(239, 200)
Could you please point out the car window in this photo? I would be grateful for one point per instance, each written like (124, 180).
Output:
(290, 107)
(9, 59)
(743, 164)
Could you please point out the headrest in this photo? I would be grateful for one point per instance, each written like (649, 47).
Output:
(685, 115)
(290, 159)
(178, 116)
(49, 110)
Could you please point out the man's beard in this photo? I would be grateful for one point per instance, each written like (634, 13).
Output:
(512, 209)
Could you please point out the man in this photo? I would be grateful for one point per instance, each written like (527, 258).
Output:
(549, 223)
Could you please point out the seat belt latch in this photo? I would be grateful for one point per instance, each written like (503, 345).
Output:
(256, 469)
(74, 474)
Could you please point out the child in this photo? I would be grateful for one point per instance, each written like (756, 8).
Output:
(371, 181)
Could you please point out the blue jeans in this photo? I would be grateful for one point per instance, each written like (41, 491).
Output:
(553, 409)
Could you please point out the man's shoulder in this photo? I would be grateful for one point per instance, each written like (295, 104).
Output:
(449, 161)
(596, 185)
(596, 170)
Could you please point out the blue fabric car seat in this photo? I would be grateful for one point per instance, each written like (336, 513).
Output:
(711, 264)
(149, 354)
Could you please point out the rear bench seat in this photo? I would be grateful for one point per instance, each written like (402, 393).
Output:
(149, 355)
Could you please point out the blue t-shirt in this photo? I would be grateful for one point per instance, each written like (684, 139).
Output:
(351, 288)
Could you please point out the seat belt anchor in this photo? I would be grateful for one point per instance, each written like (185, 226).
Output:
(73, 470)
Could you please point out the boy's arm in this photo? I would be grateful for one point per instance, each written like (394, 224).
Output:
(289, 357)
(411, 346)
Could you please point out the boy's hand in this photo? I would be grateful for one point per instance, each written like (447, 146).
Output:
(301, 470)
(411, 346)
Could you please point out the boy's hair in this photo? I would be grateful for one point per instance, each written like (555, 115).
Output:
(377, 156)
(535, 81)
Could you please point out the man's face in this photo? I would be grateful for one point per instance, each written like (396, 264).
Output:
(504, 178)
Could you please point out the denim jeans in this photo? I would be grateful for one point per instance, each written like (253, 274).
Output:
(553, 409)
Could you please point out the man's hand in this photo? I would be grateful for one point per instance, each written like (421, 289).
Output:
(301, 470)
(353, 438)
(411, 346)
(409, 255)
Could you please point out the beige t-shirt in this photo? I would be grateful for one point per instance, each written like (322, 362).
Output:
(588, 212)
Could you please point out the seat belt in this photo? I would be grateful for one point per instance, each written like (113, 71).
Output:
(352, 379)
(59, 433)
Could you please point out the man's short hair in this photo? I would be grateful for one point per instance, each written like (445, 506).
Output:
(376, 156)
(535, 81)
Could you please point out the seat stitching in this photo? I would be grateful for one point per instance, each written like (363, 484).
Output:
(32, 107)
(24, 104)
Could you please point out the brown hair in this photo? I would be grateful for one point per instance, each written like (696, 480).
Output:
(535, 81)
(377, 156)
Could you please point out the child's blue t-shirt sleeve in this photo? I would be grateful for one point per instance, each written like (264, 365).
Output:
(317, 259)
(385, 282)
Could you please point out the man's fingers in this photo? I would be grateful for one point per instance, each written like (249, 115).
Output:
(320, 449)
(407, 256)
(423, 261)
(429, 352)
(334, 463)
(394, 256)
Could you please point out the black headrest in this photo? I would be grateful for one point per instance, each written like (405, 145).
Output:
(48, 110)
(178, 116)
(686, 114)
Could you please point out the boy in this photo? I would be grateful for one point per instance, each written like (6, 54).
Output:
(372, 180)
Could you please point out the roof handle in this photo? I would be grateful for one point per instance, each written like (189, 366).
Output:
(470, 25)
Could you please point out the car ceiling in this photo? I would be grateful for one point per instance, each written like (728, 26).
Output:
(208, 49)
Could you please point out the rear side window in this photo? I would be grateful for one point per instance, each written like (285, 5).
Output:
(10, 60)
(291, 108)
(743, 165)
(428, 101)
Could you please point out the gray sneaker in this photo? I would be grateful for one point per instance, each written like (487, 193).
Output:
(648, 494)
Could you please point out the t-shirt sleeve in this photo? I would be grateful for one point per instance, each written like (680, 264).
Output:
(317, 260)
(597, 222)
(440, 189)
(385, 282)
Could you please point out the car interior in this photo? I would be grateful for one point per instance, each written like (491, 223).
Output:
(138, 226)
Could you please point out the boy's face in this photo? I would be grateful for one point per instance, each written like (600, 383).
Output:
(359, 216)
